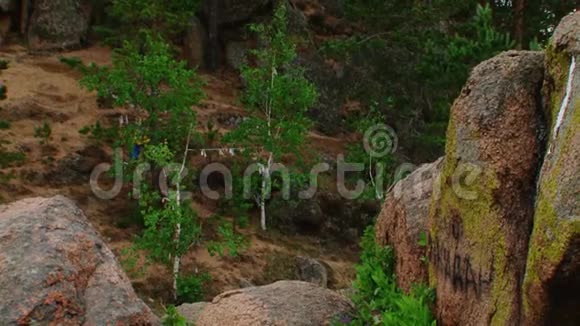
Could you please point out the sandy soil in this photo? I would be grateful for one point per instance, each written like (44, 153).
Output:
(40, 89)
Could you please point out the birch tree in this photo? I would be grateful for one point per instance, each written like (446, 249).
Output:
(172, 227)
(277, 96)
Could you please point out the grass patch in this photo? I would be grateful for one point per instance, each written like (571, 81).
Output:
(11, 159)
(4, 125)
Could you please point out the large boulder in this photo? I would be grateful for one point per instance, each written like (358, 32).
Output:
(312, 271)
(56, 270)
(479, 227)
(58, 24)
(552, 281)
(402, 223)
(290, 303)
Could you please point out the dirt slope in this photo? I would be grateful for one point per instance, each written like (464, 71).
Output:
(40, 89)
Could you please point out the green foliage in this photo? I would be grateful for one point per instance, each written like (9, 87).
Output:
(358, 154)
(10, 159)
(132, 19)
(238, 206)
(100, 134)
(159, 89)
(72, 62)
(7, 158)
(377, 298)
(417, 56)
(340, 48)
(4, 124)
(446, 64)
(277, 96)
(43, 133)
(163, 215)
(129, 258)
(451, 63)
(190, 288)
(173, 318)
(229, 243)
(4, 64)
(3, 91)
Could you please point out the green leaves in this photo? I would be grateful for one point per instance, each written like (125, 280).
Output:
(161, 218)
(43, 133)
(377, 298)
(277, 93)
(135, 18)
(190, 288)
(158, 88)
(173, 318)
(160, 155)
(229, 243)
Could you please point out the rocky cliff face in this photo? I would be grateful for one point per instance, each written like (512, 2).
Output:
(504, 226)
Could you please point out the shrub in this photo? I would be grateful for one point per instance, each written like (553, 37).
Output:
(4, 125)
(43, 133)
(160, 89)
(229, 243)
(10, 159)
(191, 288)
(377, 298)
(173, 318)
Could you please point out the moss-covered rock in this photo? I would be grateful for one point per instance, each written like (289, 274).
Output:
(552, 280)
(402, 223)
(480, 223)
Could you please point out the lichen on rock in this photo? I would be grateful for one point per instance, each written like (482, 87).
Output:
(479, 227)
(552, 282)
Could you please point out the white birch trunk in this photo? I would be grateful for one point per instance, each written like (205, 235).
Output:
(177, 234)
(265, 180)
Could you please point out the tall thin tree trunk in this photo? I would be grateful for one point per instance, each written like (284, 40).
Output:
(176, 261)
(24, 10)
(519, 23)
(177, 234)
(213, 34)
(263, 209)
(265, 181)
